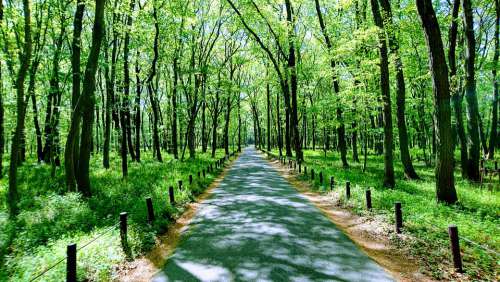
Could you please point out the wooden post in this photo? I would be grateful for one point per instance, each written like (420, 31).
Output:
(368, 194)
(320, 178)
(204, 174)
(300, 170)
(399, 216)
(305, 170)
(171, 195)
(455, 248)
(180, 185)
(312, 174)
(151, 213)
(199, 175)
(123, 235)
(332, 182)
(348, 190)
(190, 179)
(295, 165)
(71, 263)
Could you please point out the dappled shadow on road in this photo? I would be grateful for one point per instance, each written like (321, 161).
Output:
(257, 227)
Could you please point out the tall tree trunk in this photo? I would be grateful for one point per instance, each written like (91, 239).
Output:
(86, 103)
(445, 186)
(386, 99)
(341, 126)
(2, 110)
(268, 107)
(175, 146)
(125, 112)
(72, 148)
(13, 195)
(151, 89)
(400, 90)
(470, 93)
(455, 88)
(293, 82)
(137, 110)
(494, 116)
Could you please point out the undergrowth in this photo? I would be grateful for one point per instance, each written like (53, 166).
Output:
(51, 217)
(476, 214)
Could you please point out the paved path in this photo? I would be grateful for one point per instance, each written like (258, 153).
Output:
(257, 227)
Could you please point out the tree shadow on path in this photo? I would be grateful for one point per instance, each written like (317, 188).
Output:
(257, 227)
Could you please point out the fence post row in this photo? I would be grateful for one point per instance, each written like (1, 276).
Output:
(71, 263)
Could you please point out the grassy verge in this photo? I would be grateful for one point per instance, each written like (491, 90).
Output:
(51, 217)
(476, 215)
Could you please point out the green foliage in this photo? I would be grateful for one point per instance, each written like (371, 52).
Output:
(476, 215)
(51, 218)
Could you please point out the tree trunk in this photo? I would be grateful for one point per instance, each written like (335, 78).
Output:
(341, 127)
(455, 88)
(12, 195)
(85, 106)
(137, 110)
(293, 82)
(71, 150)
(494, 115)
(174, 110)
(400, 90)
(268, 107)
(152, 91)
(445, 186)
(470, 94)
(386, 99)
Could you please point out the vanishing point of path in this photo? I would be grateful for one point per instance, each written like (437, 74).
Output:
(257, 227)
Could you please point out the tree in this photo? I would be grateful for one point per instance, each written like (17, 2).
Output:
(494, 115)
(386, 98)
(445, 185)
(389, 29)
(84, 109)
(24, 61)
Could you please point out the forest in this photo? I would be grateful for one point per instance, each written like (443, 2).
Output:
(105, 103)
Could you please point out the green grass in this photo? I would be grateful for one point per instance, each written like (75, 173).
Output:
(51, 217)
(476, 214)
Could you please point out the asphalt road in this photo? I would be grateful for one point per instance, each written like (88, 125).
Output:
(257, 227)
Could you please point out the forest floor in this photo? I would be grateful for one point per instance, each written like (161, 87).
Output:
(256, 227)
(424, 236)
(51, 217)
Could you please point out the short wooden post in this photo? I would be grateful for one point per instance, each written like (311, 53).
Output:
(300, 169)
(348, 189)
(320, 178)
(312, 174)
(295, 165)
(204, 174)
(399, 216)
(171, 195)
(199, 173)
(332, 182)
(368, 194)
(180, 185)
(496, 166)
(123, 234)
(190, 179)
(305, 170)
(71, 263)
(455, 247)
(151, 213)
